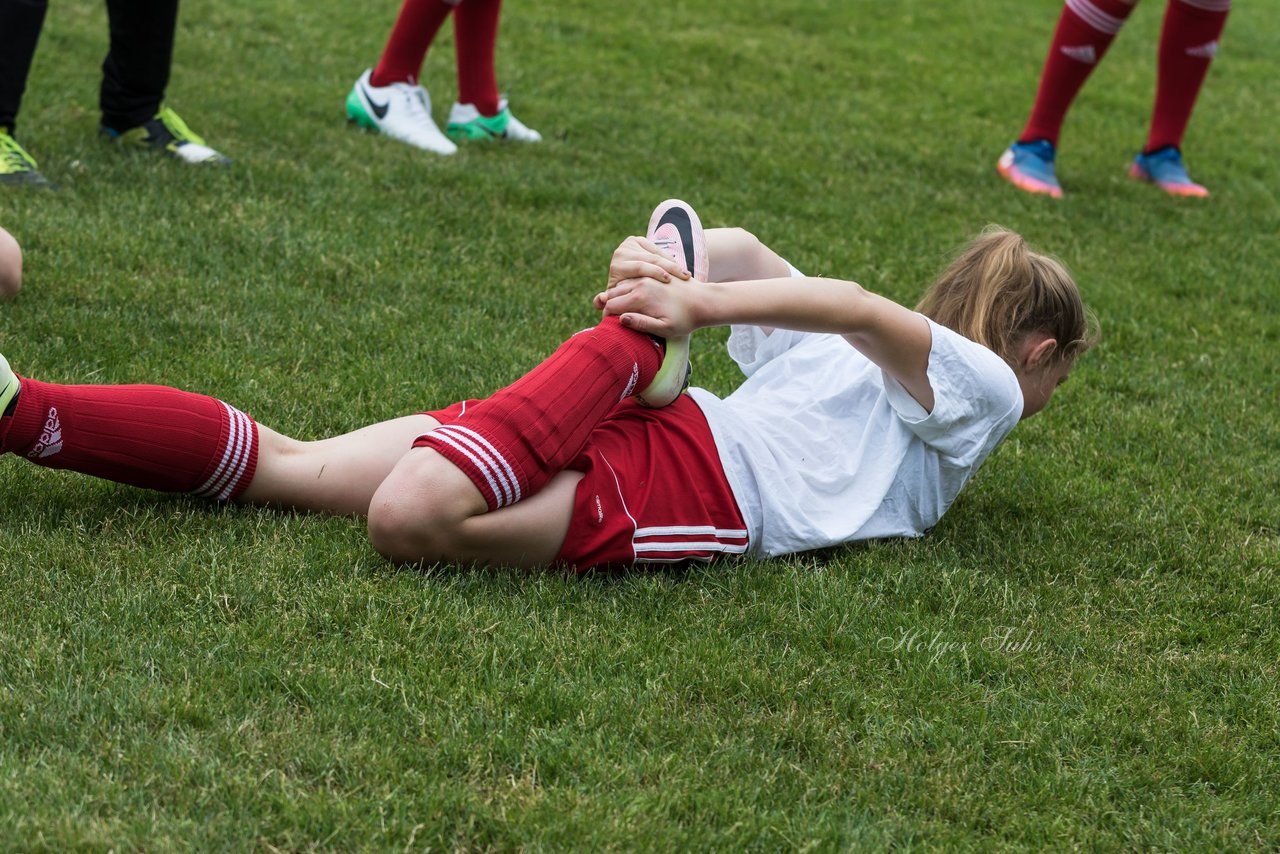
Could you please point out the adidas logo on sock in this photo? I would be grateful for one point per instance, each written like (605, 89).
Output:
(50, 437)
(1208, 50)
(631, 383)
(1083, 53)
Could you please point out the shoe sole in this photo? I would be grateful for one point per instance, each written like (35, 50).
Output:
(676, 228)
(1191, 191)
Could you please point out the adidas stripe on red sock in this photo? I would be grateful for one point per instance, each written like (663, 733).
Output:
(475, 33)
(512, 443)
(1188, 44)
(149, 436)
(411, 37)
(1085, 30)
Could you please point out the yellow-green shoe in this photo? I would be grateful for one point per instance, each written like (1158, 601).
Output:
(9, 384)
(16, 166)
(167, 132)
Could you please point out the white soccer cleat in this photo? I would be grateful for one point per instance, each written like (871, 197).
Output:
(401, 111)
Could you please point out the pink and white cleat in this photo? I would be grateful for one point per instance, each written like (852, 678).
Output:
(676, 229)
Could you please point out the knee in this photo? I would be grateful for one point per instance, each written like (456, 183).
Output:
(10, 265)
(414, 518)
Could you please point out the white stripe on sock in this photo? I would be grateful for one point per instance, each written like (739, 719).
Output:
(226, 453)
(485, 444)
(1210, 5)
(245, 456)
(500, 496)
(236, 443)
(1095, 17)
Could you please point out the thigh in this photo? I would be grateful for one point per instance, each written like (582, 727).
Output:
(427, 511)
(337, 475)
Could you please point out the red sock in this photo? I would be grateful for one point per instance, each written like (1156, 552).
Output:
(1085, 31)
(475, 31)
(143, 435)
(414, 31)
(1188, 43)
(512, 443)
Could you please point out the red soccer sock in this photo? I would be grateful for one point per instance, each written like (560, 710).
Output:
(512, 443)
(1085, 31)
(414, 31)
(475, 31)
(149, 436)
(1188, 43)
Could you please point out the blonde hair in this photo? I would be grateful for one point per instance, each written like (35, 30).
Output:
(998, 291)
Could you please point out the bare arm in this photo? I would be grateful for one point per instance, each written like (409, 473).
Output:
(895, 338)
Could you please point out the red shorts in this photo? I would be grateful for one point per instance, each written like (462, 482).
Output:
(653, 490)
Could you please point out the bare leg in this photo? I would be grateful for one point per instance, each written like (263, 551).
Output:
(337, 475)
(737, 255)
(427, 511)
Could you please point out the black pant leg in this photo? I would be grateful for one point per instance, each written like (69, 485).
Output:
(20, 23)
(136, 70)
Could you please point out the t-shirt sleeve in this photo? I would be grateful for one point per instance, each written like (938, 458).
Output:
(976, 398)
(752, 346)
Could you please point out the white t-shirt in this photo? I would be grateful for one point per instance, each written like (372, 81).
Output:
(821, 447)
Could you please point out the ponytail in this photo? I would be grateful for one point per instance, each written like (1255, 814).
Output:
(998, 291)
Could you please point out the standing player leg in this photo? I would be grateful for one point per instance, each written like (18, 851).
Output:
(1188, 44)
(135, 75)
(1085, 30)
(388, 98)
(480, 112)
(20, 24)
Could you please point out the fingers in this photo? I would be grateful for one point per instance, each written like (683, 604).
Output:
(641, 249)
(643, 323)
(639, 268)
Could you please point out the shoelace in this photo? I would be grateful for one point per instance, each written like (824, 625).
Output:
(416, 103)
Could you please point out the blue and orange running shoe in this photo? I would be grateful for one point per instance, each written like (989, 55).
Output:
(1029, 166)
(1163, 167)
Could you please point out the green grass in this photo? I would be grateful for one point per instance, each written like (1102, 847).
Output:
(1082, 655)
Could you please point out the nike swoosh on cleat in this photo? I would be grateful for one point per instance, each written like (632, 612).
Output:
(379, 110)
(680, 219)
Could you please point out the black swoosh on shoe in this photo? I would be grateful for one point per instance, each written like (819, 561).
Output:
(379, 110)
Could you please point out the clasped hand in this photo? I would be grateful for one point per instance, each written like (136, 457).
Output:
(649, 291)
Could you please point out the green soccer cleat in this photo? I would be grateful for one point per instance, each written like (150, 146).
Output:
(9, 384)
(167, 132)
(465, 122)
(16, 166)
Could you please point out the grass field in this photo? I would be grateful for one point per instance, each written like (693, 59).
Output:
(1082, 655)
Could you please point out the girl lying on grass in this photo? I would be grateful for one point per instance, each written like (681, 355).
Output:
(858, 418)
